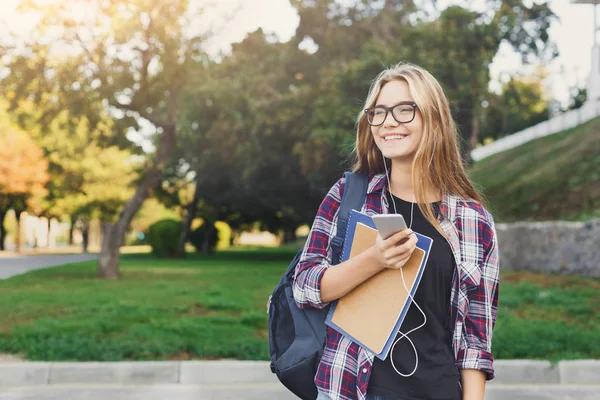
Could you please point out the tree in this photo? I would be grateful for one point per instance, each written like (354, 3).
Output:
(23, 174)
(70, 144)
(244, 127)
(521, 104)
(456, 44)
(578, 98)
(104, 178)
(133, 56)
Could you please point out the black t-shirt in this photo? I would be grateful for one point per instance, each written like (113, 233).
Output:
(436, 376)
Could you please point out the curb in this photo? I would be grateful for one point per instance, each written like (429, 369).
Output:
(225, 372)
(136, 372)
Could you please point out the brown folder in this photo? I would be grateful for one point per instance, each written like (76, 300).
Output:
(370, 312)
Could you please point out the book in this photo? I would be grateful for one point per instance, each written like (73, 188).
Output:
(372, 313)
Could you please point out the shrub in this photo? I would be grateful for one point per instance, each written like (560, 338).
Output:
(198, 236)
(224, 235)
(163, 236)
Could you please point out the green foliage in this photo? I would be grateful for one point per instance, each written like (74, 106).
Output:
(521, 104)
(206, 307)
(262, 132)
(150, 212)
(275, 124)
(163, 236)
(129, 60)
(207, 235)
(578, 97)
(552, 178)
(225, 233)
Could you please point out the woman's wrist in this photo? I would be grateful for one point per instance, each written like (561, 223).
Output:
(372, 260)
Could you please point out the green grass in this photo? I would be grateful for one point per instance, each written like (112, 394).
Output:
(214, 307)
(547, 317)
(201, 307)
(551, 178)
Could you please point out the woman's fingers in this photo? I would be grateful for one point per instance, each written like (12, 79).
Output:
(401, 249)
(393, 240)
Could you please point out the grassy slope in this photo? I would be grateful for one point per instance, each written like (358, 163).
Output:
(555, 177)
(214, 307)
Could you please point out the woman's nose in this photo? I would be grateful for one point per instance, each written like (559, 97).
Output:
(389, 120)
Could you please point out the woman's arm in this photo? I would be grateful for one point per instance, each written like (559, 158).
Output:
(473, 384)
(386, 253)
(317, 253)
(317, 282)
(480, 317)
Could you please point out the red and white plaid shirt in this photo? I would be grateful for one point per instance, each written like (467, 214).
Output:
(345, 368)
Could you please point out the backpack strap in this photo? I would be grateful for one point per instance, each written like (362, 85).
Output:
(355, 192)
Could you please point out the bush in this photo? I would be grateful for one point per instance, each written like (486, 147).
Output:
(163, 236)
(198, 236)
(224, 235)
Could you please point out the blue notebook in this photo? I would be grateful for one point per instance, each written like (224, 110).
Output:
(372, 313)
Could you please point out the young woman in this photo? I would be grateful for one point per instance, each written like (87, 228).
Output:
(406, 143)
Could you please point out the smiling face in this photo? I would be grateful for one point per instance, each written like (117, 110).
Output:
(398, 140)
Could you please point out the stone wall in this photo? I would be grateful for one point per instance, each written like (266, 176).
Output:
(555, 247)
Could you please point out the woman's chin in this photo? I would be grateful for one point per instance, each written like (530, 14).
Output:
(398, 154)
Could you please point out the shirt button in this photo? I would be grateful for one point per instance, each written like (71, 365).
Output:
(365, 370)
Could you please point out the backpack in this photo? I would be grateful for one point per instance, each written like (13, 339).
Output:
(297, 336)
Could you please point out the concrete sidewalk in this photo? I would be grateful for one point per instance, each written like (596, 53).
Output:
(261, 392)
(253, 380)
(233, 372)
(11, 265)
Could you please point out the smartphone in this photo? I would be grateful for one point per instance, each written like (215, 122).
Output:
(388, 224)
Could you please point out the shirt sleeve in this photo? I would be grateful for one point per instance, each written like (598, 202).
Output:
(476, 348)
(317, 253)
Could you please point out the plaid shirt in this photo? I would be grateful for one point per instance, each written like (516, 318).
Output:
(345, 368)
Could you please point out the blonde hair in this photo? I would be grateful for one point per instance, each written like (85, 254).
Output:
(437, 165)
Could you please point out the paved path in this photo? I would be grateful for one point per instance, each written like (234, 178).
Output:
(262, 392)
(18, 264)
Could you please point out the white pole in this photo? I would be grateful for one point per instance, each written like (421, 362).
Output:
(595, 23)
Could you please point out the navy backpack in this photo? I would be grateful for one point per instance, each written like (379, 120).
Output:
(297, 336)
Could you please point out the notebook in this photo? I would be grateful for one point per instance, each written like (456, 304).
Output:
(372, 313)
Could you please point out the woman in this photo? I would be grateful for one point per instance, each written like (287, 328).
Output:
(407, 144)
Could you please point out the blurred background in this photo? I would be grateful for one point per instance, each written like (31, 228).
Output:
(185, 146)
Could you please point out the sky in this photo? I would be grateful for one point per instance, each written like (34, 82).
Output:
(573, 35)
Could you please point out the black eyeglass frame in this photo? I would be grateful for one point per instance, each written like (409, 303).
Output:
(390, 110)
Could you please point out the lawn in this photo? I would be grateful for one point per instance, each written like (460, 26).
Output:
(215, 307)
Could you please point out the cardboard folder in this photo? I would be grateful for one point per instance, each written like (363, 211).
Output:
(372, 313)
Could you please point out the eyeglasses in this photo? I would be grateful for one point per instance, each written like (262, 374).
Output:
(402, 112)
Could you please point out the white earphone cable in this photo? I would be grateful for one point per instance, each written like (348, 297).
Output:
(405, 335)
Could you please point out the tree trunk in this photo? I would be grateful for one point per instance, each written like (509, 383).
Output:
(2, 229)
(234, 235)
(72, 229)
(85, 234)
(289, 235)
(473, 138)
(49, 235)
(108, 262)
(187, 222)
(114, 234)
(19, 235)
(207, 247)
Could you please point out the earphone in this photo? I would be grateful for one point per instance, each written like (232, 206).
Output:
(405, 335)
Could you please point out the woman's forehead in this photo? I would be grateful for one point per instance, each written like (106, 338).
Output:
(394, 92)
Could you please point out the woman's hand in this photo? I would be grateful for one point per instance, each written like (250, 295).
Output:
(395, 251)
